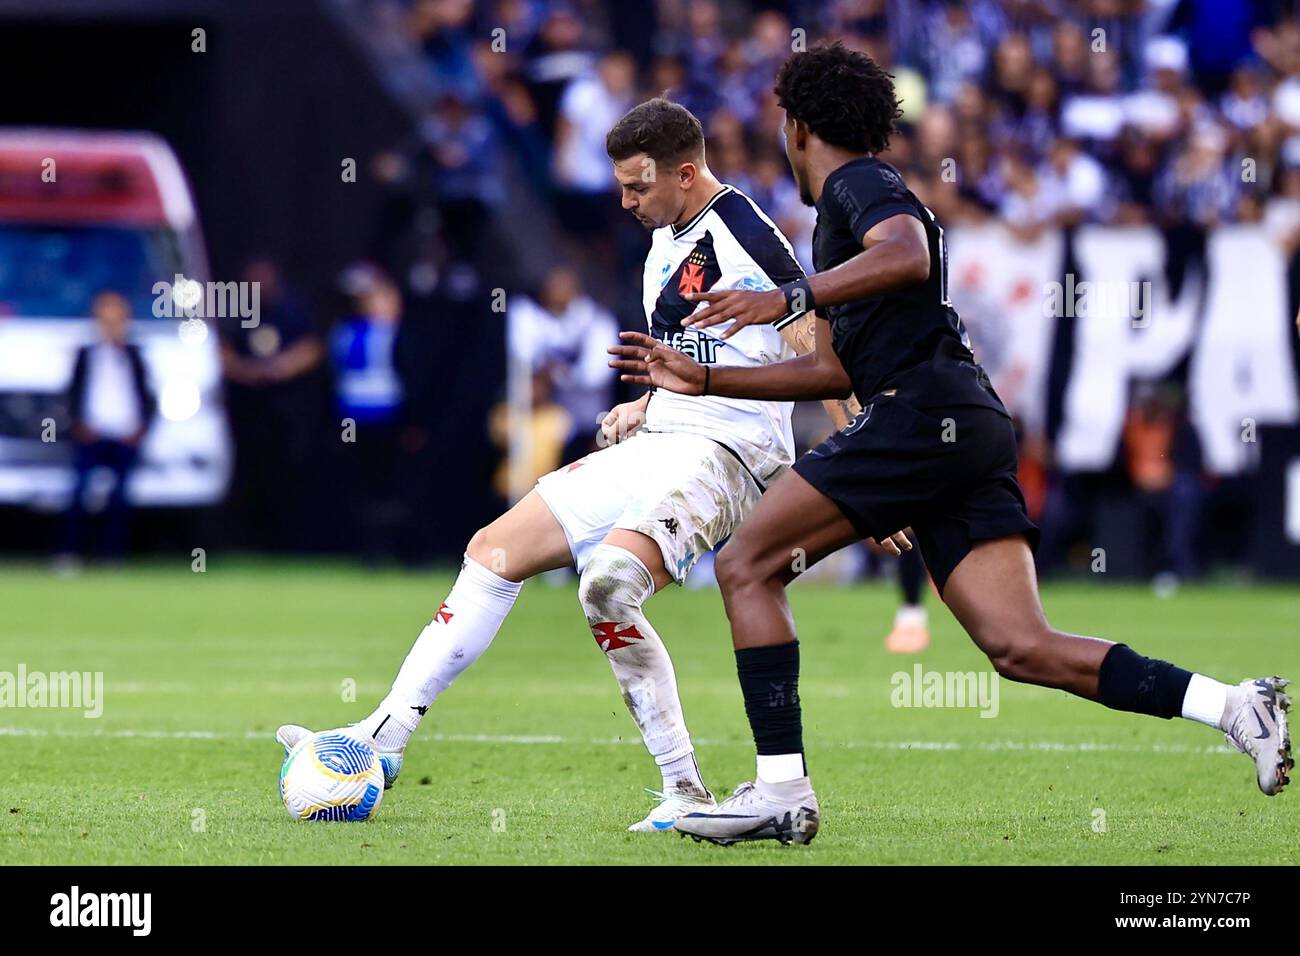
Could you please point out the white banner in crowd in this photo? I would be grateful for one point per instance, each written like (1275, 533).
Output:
(1009, 293)
(996, 285)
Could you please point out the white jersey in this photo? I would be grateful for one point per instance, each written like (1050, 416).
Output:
(729, 244)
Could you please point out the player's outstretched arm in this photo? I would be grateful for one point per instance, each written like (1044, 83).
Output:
(646, 361)
(895, 255)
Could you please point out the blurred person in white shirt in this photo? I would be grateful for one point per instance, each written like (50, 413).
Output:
(1075, 182)
(564, 334)
(588, 108)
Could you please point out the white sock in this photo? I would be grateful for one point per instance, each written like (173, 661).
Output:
(911, 614)
(459, 633)
(781, 768)
(614, 586)
(682, 774)
(1205, 701)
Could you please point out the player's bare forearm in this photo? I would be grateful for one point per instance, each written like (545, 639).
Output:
(895, 255)
(803, 379)
(643, 360)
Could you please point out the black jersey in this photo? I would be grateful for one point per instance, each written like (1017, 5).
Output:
(910, 340)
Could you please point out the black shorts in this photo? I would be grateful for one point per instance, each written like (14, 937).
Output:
(948, 473)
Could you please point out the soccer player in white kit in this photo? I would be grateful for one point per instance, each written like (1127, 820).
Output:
(676, 478)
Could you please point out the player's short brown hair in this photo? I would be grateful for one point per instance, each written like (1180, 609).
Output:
(665, 131)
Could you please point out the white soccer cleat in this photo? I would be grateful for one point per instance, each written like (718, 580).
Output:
(1255, 723)
(392, 764)
(290, 735)
(674, 804)
(786, 812)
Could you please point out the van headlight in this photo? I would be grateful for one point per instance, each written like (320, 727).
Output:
(179, 401)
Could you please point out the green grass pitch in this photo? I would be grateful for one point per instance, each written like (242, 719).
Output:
(531, 757)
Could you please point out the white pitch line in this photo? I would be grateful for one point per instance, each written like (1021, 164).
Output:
(987, 746)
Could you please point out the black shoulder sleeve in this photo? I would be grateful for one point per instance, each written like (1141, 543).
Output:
(867, 194)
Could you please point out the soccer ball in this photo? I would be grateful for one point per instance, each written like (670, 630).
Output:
(332, 776)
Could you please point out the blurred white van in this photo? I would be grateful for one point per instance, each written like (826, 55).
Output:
(81, 212)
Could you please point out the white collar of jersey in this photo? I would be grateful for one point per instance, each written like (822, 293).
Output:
(682, 230)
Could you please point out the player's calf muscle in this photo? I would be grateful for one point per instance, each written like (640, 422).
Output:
(993, 594)
(759, 615)
(753, 594)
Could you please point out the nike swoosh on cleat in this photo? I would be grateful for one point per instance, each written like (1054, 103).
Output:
(662, 825)
(1263, 734)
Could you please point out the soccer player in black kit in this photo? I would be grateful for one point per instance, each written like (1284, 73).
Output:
(933, 449)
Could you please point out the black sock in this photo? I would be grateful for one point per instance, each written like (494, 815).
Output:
(769, 680)
(1129, 681)
(911, 572)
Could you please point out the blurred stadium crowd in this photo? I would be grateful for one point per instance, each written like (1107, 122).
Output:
(1034, 111)
(1039, 114)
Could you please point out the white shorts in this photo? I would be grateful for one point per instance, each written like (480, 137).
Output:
(686, 492)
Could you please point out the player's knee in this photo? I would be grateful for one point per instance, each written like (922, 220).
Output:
(739, 567)
(1012, 662)
(1020, 655)
(613, 584)
(731, 568)
(597, 593)
(482, 545)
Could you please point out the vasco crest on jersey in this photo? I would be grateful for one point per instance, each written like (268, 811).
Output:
(698, 271)
(692, 274)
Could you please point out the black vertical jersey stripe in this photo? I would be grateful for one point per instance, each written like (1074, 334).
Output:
(760, 241)
(698, 272)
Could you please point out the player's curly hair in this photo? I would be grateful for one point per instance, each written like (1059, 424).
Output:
(844, 96)
(663, 130)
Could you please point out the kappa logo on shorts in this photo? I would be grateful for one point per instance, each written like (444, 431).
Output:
(670, 524)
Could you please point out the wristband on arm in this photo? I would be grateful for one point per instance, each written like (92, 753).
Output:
(798, 296)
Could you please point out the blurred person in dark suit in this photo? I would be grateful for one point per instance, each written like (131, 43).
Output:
(273, 397)
(111, 408)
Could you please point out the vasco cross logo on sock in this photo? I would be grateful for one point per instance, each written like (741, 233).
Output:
(610, 638)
